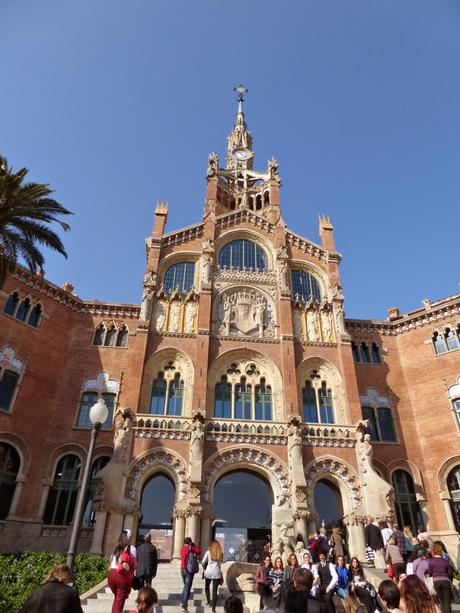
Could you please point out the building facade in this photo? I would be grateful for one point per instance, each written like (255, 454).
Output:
(239, 361)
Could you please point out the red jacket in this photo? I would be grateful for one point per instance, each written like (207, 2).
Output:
(184, 552)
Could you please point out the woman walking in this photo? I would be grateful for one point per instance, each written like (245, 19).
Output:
(212, 562)
(336, 543)
(440, 569)
(394, 556)
(262, 582)
(121, 573)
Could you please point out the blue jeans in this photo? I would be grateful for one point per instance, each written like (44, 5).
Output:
(343, 592)
(187, 578)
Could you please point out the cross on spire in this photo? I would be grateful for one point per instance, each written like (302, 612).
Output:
(240, 90)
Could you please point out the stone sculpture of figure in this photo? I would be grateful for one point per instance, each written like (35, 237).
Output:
(273, 167)
(160, 317)
(294, 445)
(312, 326)
(227, 311)
(150, 279)
(258, 314)
(297, 318)
(283, 269)
(326, 326)
(299, 550)
(213, 163)
(207, 268)
(175, 316)
(123, 436)
(196, 448)
(284, 538)
(146, 305)
(190, 312)
(281, 252)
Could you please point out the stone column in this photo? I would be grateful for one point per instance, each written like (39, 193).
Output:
(179, 535)
(445, 497)
(205, 538)
(422, 503)
(301, 525)
(20, 480)
(128, 524)
(98, 533)
(193, 525)
(44, 498)
(356, 539)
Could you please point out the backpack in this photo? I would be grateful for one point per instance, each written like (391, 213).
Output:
(125, 557)
(191, 563)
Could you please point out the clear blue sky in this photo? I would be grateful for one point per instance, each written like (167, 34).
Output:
(117, 104)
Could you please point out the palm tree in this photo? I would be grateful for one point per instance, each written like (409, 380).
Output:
(25, 212)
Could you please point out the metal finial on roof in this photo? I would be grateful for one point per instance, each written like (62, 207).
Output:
(240, 90)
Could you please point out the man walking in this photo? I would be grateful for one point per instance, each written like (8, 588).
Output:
(188, 569)
(374, 540)
(147, 561)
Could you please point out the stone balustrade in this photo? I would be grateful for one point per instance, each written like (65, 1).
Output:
(234, 430)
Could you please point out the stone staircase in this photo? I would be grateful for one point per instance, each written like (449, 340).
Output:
(168, 584)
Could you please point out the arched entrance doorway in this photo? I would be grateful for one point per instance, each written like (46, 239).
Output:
(328, 503)
(157, 502)
(243, 515)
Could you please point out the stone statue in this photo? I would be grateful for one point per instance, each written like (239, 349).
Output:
(160, 317)
(273, 167)
(258, 314)
(174, 318)
(196, 448)
(150, 279)
(190, 313)
(146, 305)
(213, 164)
(299, 551)
(326, 326)
(294, 445)
(227, 312)
(207, 269)
(285, 539)
(283, 270)
(312, 326)
(297, 319)
(123, 435)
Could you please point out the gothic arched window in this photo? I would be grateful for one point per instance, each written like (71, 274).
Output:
(375, 354)
(451, 339)
(310, 409)
(179, 277)
(89, 515)
(175, 396)
(382, 423)
(439, 343)
(11, 304)
(407, 508)
(122, 336)
(8, 383)
(355, 352)
(63, 495)
(243, 400)
(305, 286)
(35, 315)
(87, 401)
(264, 410)
(99, 335)
(9, 468)
(242, 254)
(364, 351)
(317, 402)
(111, 337)
(158, 398)
(223, 399)
(23, 310)
(453, 485)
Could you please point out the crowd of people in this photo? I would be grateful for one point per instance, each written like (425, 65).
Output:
(419, 572)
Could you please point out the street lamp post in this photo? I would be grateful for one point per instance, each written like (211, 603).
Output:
(97, 414)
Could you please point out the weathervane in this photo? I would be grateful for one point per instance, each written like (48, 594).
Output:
(240, 89)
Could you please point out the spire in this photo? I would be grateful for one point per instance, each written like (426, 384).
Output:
(239, 138)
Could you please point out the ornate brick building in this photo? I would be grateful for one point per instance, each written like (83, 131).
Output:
(238, 362)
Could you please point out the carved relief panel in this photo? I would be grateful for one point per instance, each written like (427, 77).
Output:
(314, 323)
(175, 315)
(245, 311)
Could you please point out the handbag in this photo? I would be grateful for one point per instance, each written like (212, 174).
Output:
(390, 572)
(137, 583)
(430, 585)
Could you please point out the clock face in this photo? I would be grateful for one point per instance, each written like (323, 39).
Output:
(241, 155)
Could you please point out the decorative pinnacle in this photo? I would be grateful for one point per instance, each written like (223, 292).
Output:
(240, 90)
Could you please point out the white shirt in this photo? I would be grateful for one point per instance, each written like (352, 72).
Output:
(386, 534)
(114, 560)
(213, 570)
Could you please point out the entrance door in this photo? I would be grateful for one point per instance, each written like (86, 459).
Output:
(243, 511)
(157, 505)
(328, 504)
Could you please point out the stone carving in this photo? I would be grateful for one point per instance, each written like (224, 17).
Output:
(326, 326)
(247, 456)
(377, 493)
(150, 279)
(297, 320)
(190, 314)
(334, 467)
(8, 359)
(160, 316)
(286, 541)
(295, 452)
(312, 326)
(102, 383)
(146, 305)
(245, 312)
(207, 260)
(174, 317)
(110, 481)
(158, 457)
(213, 164)
(196, 448)
(273, 170)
